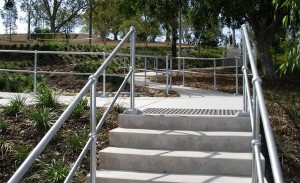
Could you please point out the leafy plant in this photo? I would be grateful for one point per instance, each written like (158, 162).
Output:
(15, 106)
(5, 148)
(55, 171)
(119, 108)
(76, 141)
(293, 108)
(47, 98)
(79, 110)
(3, 126)
(41, 118)
(20, 153)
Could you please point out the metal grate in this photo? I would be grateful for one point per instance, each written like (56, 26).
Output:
(226, 112)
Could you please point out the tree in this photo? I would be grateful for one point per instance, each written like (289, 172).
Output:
(263, 17)
(106, 18)
(291, 22)
(57, 12)
(10, 16)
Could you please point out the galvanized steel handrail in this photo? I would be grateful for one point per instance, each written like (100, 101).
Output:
(258, 110)
(89, 86)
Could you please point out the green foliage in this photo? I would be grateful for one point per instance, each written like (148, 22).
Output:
(293, 62)
(119, 108)
(3, 126)
(41, 118)
(293, 107)
(99, 116)
(79, 110)
(15, 106)
(15, 82)
(55, 171)
(20, 153)
(92, 66)
(76, 141)
(47, 98)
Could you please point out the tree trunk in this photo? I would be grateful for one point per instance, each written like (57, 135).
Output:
(167, 36)
(265, 56)
(174, 39)
(116, 35)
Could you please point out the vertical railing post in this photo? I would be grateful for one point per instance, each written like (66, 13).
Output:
(244, 67)
(156, 69)
(183, 68)
(35, 73)
(167, 75)
(236, 76)
(93, 134)
(132, 65)
(145, 72)
(215, 77)
(104, 78)
(171, 73)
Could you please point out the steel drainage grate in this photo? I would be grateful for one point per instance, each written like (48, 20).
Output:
(190, 111)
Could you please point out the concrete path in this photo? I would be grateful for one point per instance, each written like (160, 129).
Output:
(191, 98)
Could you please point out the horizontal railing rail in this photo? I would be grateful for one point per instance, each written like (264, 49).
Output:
(256, 106)
(89, 86)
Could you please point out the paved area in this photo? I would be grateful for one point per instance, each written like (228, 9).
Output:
(191, 98)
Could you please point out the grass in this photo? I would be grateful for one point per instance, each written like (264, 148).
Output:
(41, 119)
(80, 108)
(3, 126)
(76, 140)
(15, 107)
(46, 98)
(20, 153)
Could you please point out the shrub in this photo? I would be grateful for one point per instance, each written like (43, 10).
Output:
(41, 119)
(3, 126)
(20, 153)
(76, 141)
(15, 107)
(5, 148)
(79, 110)
(56, 171)
(47, 98)
(119, 108)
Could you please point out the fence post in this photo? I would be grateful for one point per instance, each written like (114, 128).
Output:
(167, 75)
(171, 73)
(93, 134)
(215, 77)
(244, 67)
(236, 76)
(35, 73)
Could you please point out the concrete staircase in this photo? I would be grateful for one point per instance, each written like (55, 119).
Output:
(157, 148)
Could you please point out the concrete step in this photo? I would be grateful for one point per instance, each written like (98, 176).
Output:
(181, 140)
(112, 176)
(193, 123)
(171, 161)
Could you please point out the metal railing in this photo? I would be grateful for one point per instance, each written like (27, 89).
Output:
(256, 106)
(91, 143)
(143, 60)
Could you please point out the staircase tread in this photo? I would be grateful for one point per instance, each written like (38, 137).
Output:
(182, 132)
(179, 153)
(169, 177)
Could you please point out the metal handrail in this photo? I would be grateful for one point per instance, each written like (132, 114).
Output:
(89, 86)
(258, 110)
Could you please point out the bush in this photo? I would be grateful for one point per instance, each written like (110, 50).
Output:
(15, 106)
(55, 172)
(14, 82)
(41, 118)
(46, 98)
(79, 110)
(20, 153)
(76, 141)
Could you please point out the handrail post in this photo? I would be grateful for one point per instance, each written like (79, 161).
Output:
(183, 67)
(132, 65)
(171, 73)
(104, 78)
(145, 64)
(244, 66)
(93, 134)
(156, 69)
(215, 77)
(236, 76)
(167, 75)
(35, 73)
